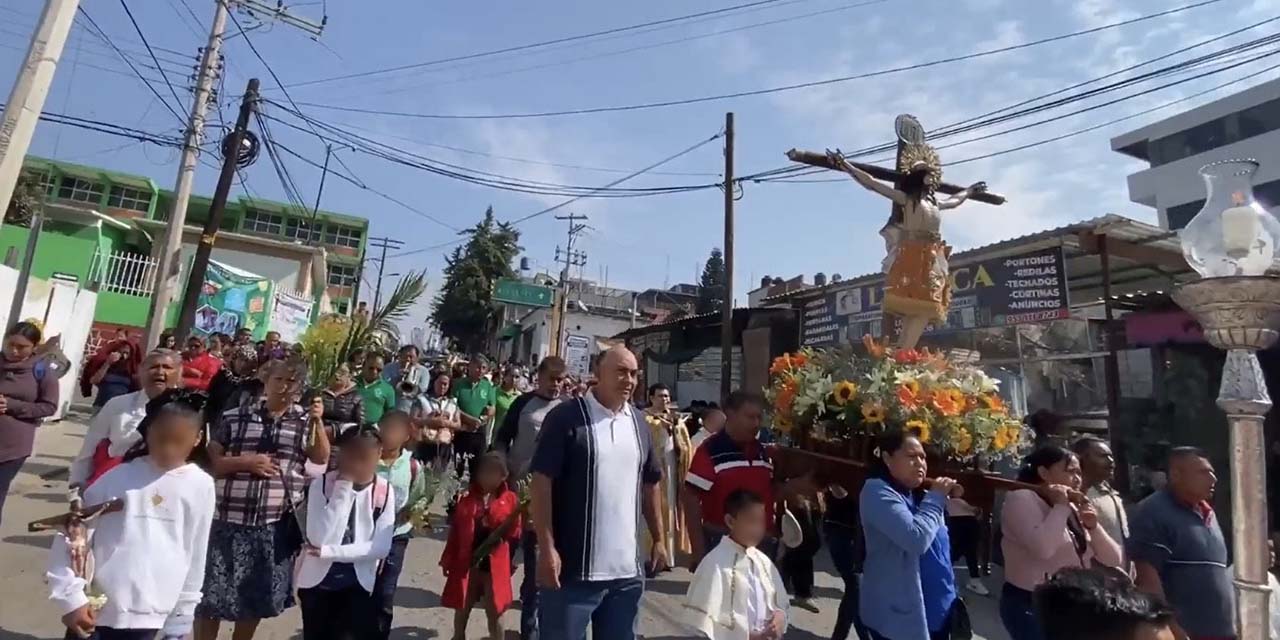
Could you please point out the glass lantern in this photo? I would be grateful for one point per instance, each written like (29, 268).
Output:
(1232, 235)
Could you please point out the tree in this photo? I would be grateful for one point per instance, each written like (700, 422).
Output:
(464, 309)
(711, 295)
(27, 197)
(330, 342)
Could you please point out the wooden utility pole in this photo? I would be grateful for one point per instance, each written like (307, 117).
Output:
(726, 317)
(238, 149)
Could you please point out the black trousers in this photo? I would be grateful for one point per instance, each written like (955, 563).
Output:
(964, 542)
(385, 588)
(797, 563)
(349, 614)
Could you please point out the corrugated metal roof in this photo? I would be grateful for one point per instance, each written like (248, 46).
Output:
(1113, 225)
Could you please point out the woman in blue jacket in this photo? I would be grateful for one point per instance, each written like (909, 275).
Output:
(908, 563)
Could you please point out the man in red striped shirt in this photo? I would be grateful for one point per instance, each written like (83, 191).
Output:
(731, 459)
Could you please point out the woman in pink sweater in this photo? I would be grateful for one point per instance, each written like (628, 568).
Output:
(1044, 532)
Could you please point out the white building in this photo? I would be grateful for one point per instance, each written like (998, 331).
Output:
(1242, 125)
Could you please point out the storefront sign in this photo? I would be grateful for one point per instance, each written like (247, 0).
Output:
(1018, 289)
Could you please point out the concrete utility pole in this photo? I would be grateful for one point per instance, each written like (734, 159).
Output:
(726, 317)
(168, 262)
(26, 99)
(238, 149)
(570, 258)
(383, 244)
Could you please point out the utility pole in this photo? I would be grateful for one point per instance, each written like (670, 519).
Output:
(26, 99)
(570, 258)
(726, 317)
(238, 151)
(383, 244)
(168, 263)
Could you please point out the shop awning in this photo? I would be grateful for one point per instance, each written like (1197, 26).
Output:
(510, 332)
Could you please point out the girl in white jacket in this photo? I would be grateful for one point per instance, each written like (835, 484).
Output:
(350, 521)
(148, 557)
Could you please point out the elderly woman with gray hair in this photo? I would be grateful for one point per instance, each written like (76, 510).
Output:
(114, 429)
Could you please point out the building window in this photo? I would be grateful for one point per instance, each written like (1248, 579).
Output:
(341, 275)
(73, 188)
(342, 307)
(1179, 216)
(259, 222)
(1229, 129)
(126, 198)
(343, 236)
(44, 180)
(302, 231)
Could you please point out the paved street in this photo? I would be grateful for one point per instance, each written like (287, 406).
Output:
(40, 490)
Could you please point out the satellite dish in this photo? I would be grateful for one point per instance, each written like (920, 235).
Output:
(909, 129)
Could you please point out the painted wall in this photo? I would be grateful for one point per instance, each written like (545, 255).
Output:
(281, 271)
(63, 248)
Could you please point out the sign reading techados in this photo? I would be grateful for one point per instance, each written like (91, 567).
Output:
(1017, 289)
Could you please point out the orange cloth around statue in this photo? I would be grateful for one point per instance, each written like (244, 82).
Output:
(918, 284)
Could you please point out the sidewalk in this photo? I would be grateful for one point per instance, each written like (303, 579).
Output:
(40, 490)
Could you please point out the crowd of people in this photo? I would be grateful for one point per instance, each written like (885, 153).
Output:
(229, 490)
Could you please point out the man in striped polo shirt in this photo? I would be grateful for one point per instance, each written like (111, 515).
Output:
(594, 469)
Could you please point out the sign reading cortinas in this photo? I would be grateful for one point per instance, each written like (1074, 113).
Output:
(1017, 289)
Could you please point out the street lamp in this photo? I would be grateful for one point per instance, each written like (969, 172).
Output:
(1232, 243)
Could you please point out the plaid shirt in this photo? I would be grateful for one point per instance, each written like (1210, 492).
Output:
(244, 498)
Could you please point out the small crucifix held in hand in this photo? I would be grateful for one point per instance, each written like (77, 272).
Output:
(918, 285)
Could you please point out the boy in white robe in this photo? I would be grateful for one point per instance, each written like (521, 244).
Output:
(737, 592)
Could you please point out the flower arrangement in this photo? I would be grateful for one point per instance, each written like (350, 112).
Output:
(837, 394)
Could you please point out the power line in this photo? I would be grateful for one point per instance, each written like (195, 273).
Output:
(146, 44)
(570, 201)
(536, 45)
(617, 52)
(103, 35)
(770, 90)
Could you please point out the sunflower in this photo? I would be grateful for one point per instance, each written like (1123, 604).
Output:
(1000, 440)
(1013, 436)
(844, 392)
(919, 427)
(783, 422)
(963, 441)
(873, 412)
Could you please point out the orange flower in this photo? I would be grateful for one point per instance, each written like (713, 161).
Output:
(993, 402)
(799, 360)
(874, 349)
(786, 397)
(781, 364)
(948, 402)
(909, 394)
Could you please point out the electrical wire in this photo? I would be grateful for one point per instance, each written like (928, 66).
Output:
(150, 52)
(770, 90)
(537, 45)
(103, 36)
(470, 77)
(526, 218)
(108, 128)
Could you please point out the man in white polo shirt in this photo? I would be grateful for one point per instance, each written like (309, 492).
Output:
(594, 468)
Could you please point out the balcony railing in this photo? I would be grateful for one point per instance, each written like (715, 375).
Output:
(130, 274)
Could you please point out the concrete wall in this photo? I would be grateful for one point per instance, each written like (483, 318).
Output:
(542, 328)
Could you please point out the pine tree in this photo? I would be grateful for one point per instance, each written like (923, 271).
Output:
(711, 295)
(464, 309)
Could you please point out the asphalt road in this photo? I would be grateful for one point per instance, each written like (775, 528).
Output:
(39, 491)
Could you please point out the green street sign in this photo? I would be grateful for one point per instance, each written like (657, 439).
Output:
(516, 292)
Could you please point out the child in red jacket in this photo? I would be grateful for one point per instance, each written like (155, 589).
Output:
(486, 507)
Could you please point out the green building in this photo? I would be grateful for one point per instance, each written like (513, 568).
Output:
(103, 228)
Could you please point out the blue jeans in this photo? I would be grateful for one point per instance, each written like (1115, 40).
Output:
(384, 589)
(529, 587)
(609, 607)
(1018, 614)
(840, 546)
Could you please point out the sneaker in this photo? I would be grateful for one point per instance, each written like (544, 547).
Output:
(975, 586)
(806, 604)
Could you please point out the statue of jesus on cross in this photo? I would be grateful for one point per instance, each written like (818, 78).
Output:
(918, 285)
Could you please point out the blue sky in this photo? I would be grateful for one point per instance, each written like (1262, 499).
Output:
(783, 229)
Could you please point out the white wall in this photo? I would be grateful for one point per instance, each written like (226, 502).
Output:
(592, 326)
(282, 271)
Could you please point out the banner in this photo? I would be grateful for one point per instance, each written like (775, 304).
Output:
(577, 355)
(1017, 289)
(290, 316)
(231, 299)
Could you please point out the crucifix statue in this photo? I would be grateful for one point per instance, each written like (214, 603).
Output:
(918, 285)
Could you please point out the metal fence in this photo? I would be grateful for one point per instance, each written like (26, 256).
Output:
(127, 273)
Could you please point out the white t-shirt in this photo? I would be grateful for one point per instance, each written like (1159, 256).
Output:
(613, 545)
